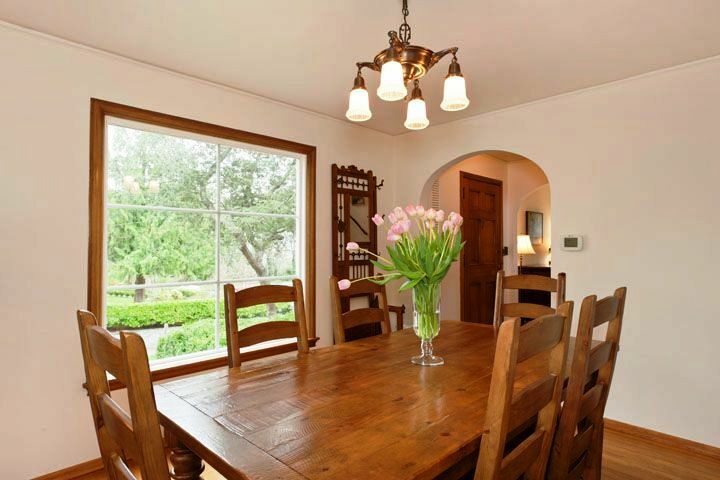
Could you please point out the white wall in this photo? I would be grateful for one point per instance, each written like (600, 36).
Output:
(634, 167)
(536, 201)
(519, 178)
(44, 132)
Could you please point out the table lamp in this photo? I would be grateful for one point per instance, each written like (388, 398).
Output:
(524, 247)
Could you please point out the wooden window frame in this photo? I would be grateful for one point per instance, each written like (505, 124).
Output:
(99, 111)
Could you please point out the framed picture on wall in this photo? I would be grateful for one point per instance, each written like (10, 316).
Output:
(534, 227)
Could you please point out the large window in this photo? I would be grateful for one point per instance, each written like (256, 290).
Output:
(186, 208)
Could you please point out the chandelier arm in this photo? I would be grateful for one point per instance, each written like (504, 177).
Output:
(370, 65)
(437, 56)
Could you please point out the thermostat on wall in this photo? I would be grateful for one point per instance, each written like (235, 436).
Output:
(573, 243)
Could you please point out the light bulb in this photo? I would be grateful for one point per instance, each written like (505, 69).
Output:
(392, 84)
(358, 106)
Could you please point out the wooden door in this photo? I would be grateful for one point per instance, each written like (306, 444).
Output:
(481, 207)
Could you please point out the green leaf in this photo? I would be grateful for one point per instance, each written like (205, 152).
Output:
(383, 266)
(409, 284)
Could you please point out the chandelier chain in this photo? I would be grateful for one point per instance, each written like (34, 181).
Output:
(404, 30)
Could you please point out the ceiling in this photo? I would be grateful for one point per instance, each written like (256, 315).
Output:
(303, 52)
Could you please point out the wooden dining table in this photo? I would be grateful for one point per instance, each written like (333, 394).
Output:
(349, 411)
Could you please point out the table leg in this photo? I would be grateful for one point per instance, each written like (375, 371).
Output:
(185, 464)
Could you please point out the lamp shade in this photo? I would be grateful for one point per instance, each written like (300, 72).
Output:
(454, 95)
(392, 83)
(416, 110)
(524, 245)
(416, 115)
(358, 106)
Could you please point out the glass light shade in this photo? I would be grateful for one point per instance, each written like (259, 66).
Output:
(392, 84)
(416, 115)
(358, 106)
(524, 245)
(454, 95)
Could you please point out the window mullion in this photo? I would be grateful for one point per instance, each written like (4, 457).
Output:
(218, 224)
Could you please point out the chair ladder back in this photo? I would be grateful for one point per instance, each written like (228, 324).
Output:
(527, 310)
(271, 330)
(264, 332)
(119, 433)
(119, 426)
(525, 282)
(120, 469)
(362, 316)
(507, 410)
(264, 294)
(577, 448)
(540, 335)
(530, 282)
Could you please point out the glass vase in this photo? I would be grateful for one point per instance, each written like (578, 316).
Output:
(426, 322)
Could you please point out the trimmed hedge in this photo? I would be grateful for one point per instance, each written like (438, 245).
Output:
(157, 314)
(200, 336)
(174, 313)
(121, 293)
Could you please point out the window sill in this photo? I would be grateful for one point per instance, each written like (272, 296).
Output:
(196, 366)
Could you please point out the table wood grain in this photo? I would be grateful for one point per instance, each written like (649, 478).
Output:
(359, 409)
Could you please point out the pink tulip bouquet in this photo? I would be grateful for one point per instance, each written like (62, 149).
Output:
(422, 244)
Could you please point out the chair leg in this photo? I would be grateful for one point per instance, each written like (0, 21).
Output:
(185, 464)
(593, 470)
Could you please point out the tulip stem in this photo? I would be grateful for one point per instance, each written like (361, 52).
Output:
(374, 255)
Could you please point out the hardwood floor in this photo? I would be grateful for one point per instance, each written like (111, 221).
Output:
(626, 457)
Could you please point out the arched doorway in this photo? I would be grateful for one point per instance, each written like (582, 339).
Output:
(469, 288)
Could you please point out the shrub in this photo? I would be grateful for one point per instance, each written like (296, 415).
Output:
(175, 312)
(200, 336)
(157, 314)
(194, 337)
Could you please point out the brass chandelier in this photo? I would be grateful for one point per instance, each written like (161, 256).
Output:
(399, 64)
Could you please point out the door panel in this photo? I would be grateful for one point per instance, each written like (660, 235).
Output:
(481, 207)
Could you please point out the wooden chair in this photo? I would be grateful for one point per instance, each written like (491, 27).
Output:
(119, 434)
(263, 332)
(399, 311)
(510, 407)
(577, 449)
(360, 316)
(525, 282)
